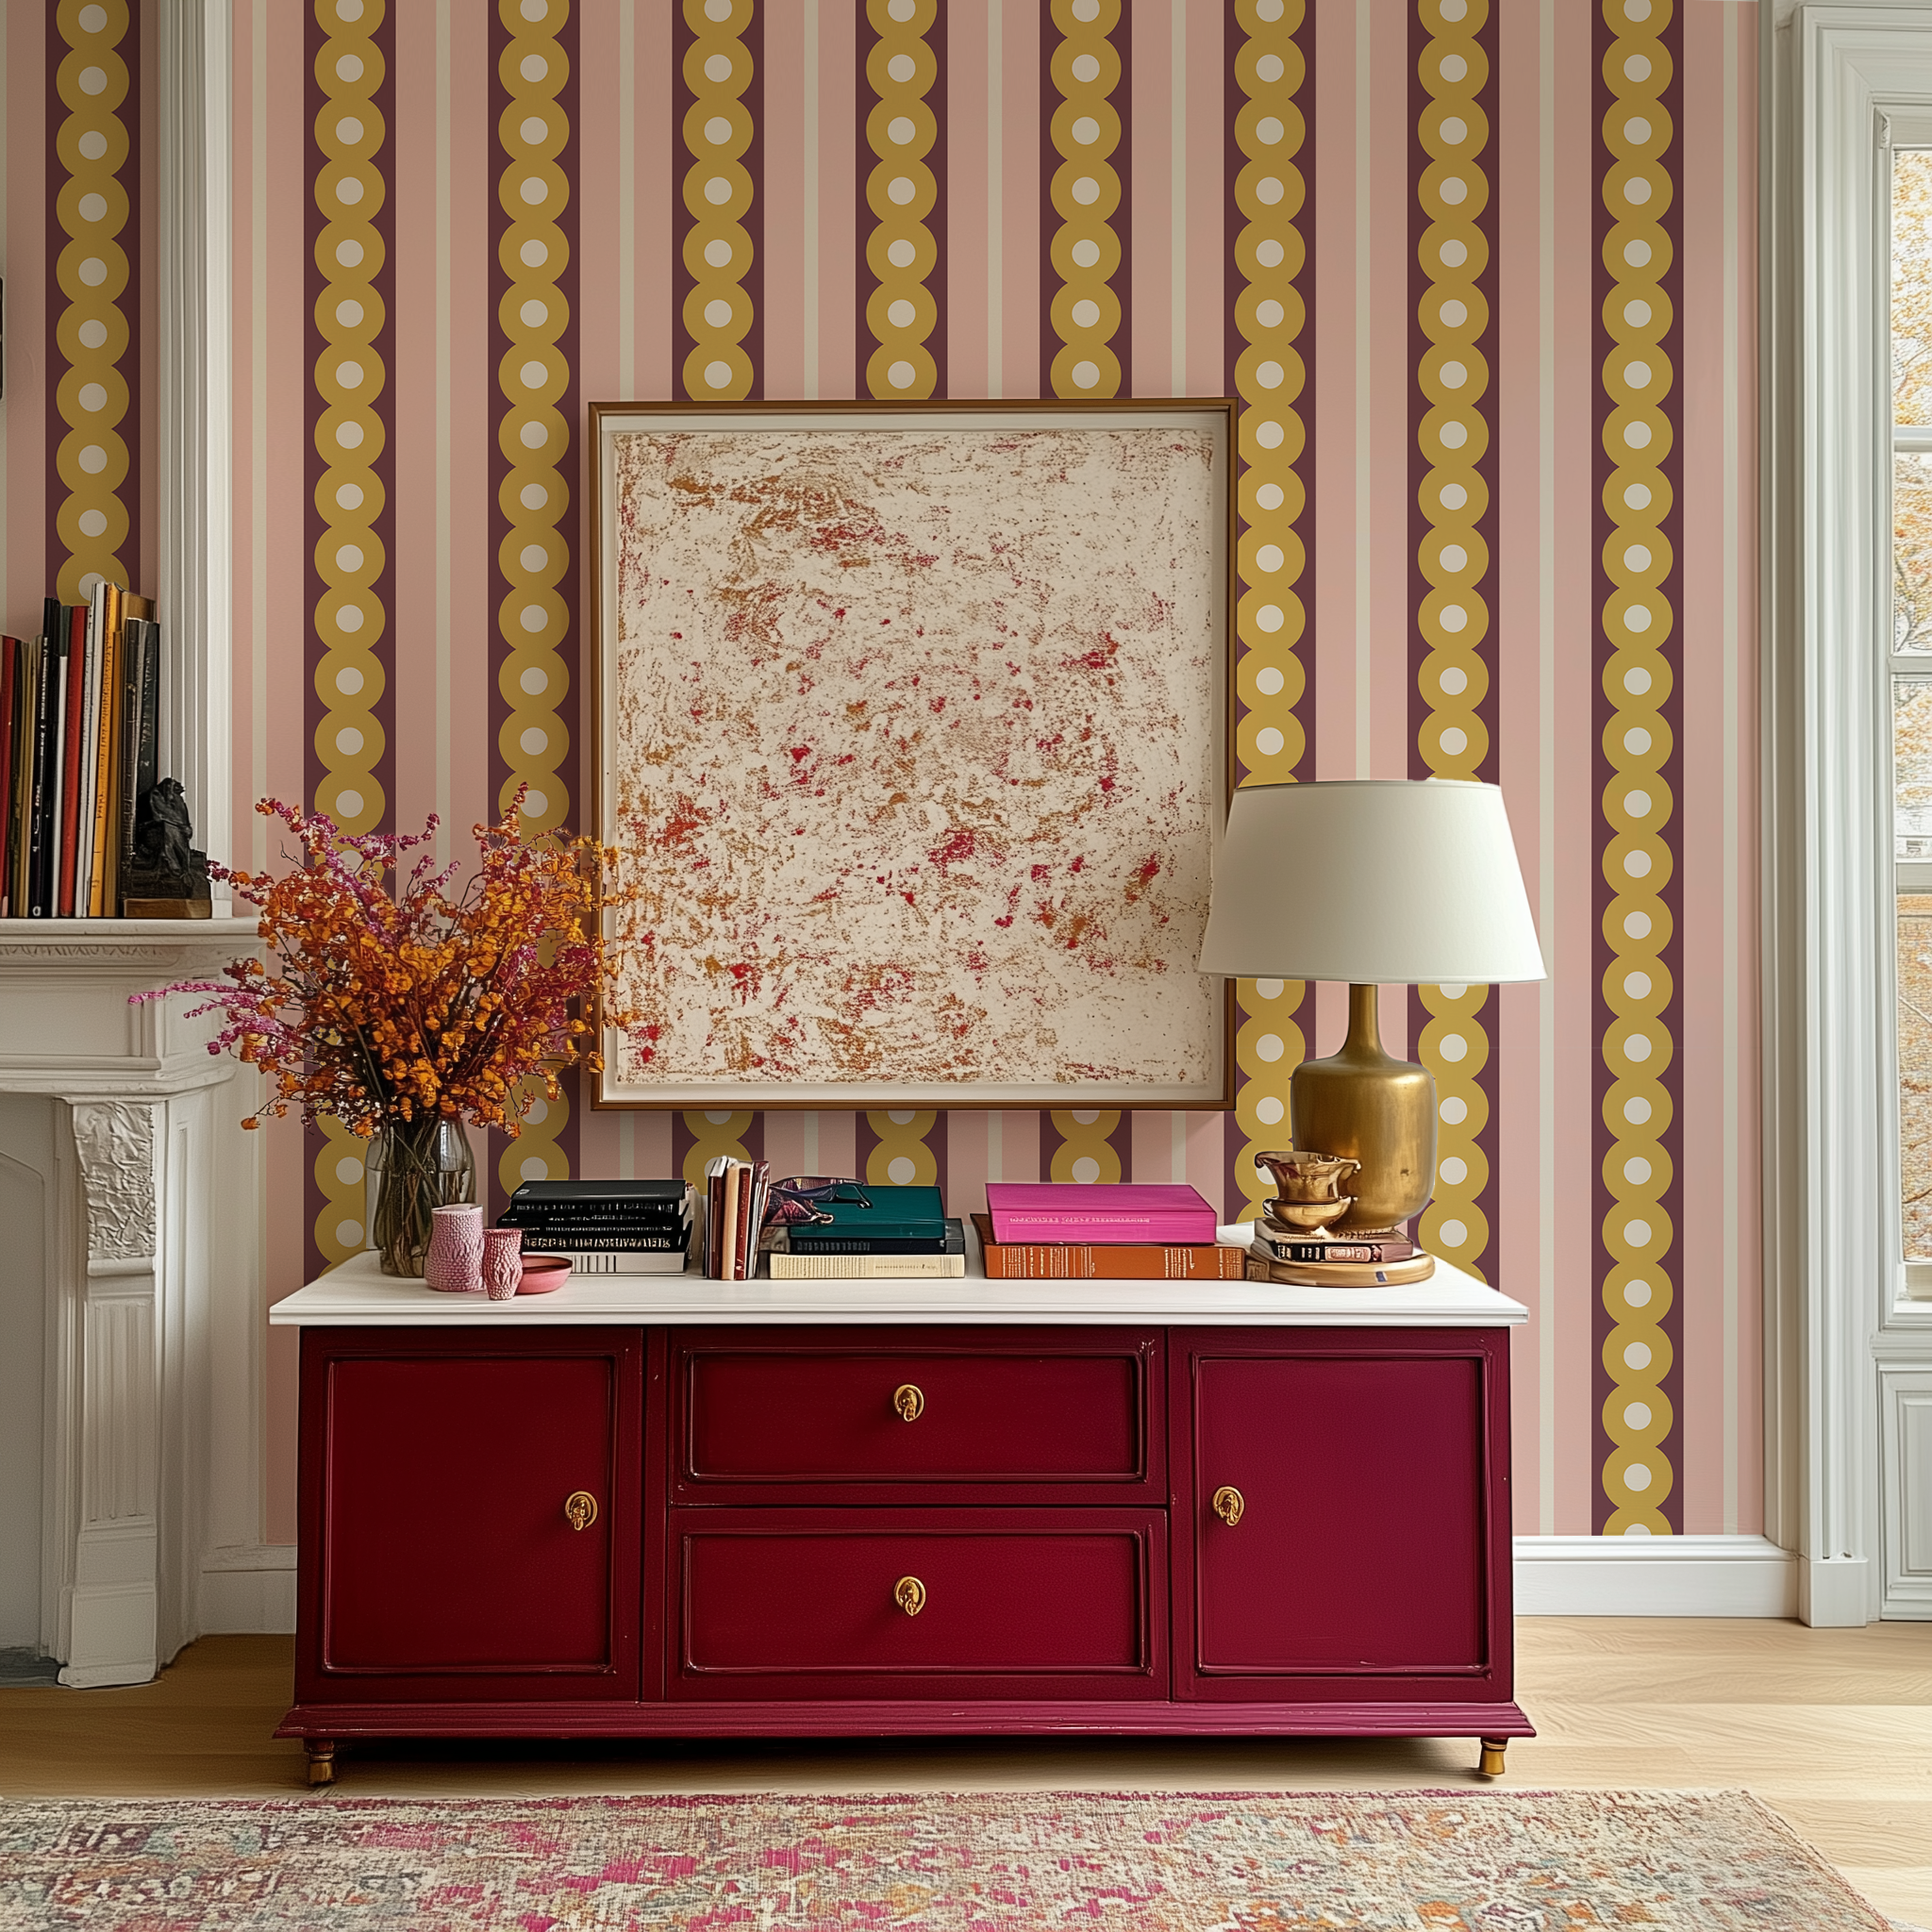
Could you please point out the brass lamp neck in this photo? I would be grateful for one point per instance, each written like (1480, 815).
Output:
(1364, 1022)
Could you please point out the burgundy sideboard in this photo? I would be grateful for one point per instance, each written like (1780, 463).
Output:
(651, 1508)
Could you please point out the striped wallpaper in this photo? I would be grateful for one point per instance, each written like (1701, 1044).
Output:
(1478, 272)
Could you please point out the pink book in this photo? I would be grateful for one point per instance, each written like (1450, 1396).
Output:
(1100, 1212)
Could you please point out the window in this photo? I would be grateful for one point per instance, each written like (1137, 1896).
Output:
(1912, 678)
(1910, 668)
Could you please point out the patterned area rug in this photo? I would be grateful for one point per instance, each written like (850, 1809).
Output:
(1409, 1861)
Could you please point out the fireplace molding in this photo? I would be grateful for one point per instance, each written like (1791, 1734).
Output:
(153, 1275)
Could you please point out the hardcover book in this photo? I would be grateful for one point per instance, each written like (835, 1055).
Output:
(901, 1221)
(1060, 1212)
(1105, 1260)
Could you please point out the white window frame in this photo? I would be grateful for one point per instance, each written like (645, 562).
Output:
(1837, 1293)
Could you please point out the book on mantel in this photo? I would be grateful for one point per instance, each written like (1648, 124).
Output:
(950, 1265)
(1060, 1212)
(1105, 1260)
(605, 1226)
(897, 1221)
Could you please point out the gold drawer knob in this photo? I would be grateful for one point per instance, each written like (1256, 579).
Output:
(1228, 1504)
(580, 1508)
(909, 1595)
(909, 1398)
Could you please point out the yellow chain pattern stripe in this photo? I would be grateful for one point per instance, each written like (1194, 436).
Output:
(1453, 619)
(92, 335)
(532, 432)
(902, 1158)
(1269, 619)
(718, 195)
(534, 1155)
(1637, 804)
(350, 379)
(350, 435)
(900, 190)
(1086, 193)
(713, 1134)
(1084, 1154)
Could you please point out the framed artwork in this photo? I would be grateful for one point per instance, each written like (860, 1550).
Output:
(912, 729)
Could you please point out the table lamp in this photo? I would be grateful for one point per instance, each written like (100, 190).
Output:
(1431, 894)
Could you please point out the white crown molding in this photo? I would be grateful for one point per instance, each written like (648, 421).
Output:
(1654, 1576)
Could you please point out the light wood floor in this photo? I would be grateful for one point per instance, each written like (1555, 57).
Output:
(1831, 1727)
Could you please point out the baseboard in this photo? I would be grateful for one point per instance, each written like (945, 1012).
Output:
(1654, 1577)
(248, 1589)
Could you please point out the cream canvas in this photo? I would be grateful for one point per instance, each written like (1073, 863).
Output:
(913, 742)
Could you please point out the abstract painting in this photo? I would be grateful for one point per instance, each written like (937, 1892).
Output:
(912, 740)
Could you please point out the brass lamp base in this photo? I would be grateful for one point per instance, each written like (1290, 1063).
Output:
(1361, 1104)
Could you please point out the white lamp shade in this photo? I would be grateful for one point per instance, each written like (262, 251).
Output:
(1372, 881)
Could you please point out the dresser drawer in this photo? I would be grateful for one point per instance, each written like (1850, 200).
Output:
(832, 1417)
(888, 1602)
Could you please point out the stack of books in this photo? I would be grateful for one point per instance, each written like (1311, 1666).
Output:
(1126, 1231)
(79, 727)
(736, 1194)
(606, 1227)
(1294, 1256)
(892, 1233)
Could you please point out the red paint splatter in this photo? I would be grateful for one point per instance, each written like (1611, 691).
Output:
(1144, 874)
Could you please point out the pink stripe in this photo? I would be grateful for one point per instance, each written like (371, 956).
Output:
(1150, 1135)
(966, 1176)
(474, 162)
(594, 160)
(839, 1143)
(408, 162)
(783, 187)
(1514, 1018)
(1332, 405)
(651, 1153)
(652, 140)
(1020, 289)
(241, 441)
(1703, 1238)
(967, 191)
(1206, 148)
(1151, 134)
(1576, 379)
(1389, 495)
(839, 141)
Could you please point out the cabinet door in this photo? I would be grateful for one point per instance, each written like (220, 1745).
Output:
(1367, 1553)
(443, 1555)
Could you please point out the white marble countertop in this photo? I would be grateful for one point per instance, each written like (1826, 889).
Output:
(359, 1294)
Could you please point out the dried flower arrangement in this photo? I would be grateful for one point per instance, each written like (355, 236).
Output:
(400, 1011)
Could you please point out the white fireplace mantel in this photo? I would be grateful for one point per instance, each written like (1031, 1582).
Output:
(142, 1270)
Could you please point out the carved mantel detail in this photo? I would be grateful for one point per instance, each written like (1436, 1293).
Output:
(115, 1139)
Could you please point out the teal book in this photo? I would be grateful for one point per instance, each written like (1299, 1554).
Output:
(900, 1221)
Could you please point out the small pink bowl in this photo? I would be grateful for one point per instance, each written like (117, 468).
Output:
(544, 1274)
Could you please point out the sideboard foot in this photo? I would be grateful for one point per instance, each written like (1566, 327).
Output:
(321, 1759)
(1491, 1763)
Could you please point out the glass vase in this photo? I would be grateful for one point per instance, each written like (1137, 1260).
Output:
(414, 1167)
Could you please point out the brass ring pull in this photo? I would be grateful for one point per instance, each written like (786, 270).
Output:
(909, 1595)
(580, 1508)
(909, 1398)
(1228, 1504)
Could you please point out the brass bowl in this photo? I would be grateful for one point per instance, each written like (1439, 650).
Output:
(1303, 1217)
(1307, 1175)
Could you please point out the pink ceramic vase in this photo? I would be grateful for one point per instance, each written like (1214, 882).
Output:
(455, 1259)
(502, 1262)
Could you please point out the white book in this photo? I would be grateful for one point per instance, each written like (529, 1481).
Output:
(867, 1267)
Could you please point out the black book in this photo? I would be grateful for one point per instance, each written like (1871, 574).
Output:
(556, 1240)
(42, 801)
(810, 1240)
(665, 1196)
(133, 681)
(148, 739)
